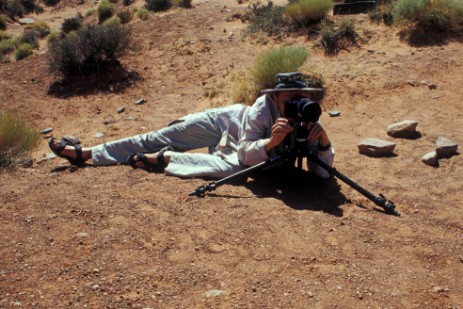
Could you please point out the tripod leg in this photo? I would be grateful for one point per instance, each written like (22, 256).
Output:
(380, 200)
(200, 191)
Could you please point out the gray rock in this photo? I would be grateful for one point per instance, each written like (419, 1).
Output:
(24, 21)
(405, 128)
(139, 101)
(99, 135)
(376, 147)
(213, 293)
(334, 113)
(46, 131)
(445, 148)
(121, 109)
(430, 158)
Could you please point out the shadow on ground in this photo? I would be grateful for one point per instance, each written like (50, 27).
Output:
(114, 78)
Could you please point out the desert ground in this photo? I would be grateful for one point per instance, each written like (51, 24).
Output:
(114, 237)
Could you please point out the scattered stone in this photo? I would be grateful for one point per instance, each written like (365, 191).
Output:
(438, 289)
(24, 21)
(405, 128)
(213, 293)
(445, 148)
(412, 82)
(334, 113)
(99, 135)
(376, 147)
(82, 235)
(140, 101)
(430, 158)
(108, 121)
(46, 131)
(121, 110)
(430, 85)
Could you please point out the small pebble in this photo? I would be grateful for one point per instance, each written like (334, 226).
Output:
(139, 101)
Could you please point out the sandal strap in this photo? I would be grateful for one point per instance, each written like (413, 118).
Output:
(160, 158)
(78, 159)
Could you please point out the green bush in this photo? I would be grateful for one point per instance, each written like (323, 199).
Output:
(71, 24)
(50, 2)
(113, 21)
(15, 8)
(246, 85)
(125, 16)
(274, 61)
(330, 36)
(305, 12)
(17, 139)
(28, 37)
(105, 10)
(23, 51)
(158, 5)
(41, 29)
(3, 35)
(6, 46)
(432, 16)
(28, 5)
(408, 10)
(89, 12)
(266, 18)
(3, 21)
(382, 12)
(53, 37)
(90, 49)
(142, 13)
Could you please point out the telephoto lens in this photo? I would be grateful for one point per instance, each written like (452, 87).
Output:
(303, 109)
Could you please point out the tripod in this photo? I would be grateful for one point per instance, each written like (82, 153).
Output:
(295, 149)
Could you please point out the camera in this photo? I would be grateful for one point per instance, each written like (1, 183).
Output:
(303, 109)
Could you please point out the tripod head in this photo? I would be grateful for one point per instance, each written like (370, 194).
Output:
(295, 146)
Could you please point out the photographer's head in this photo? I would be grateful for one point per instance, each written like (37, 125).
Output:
(292, 96)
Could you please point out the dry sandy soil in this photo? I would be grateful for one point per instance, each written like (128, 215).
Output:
(114, 237)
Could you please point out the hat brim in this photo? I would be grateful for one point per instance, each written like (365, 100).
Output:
(291, 89)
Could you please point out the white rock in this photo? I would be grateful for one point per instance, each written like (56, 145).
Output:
(405, 128)
(376, 147)
(213, 293)
(445, 148)
(430, 158)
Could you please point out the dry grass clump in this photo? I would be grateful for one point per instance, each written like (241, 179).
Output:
(17, 139)
(247, 84)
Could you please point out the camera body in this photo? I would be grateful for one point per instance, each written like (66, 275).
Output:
(303, 109)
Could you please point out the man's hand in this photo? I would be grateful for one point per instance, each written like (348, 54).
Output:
(317, 133)
(280, 129)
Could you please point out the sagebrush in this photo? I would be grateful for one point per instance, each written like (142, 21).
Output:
(92, 48)
(17, 139)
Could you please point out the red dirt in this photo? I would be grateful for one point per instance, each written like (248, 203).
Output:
(114, 237)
